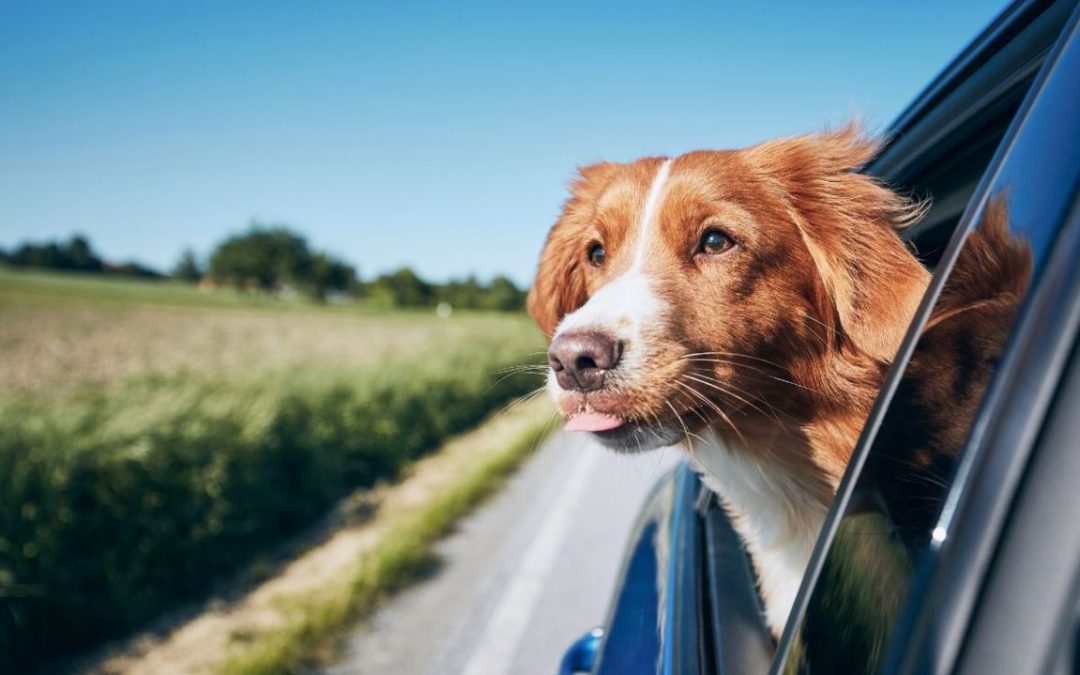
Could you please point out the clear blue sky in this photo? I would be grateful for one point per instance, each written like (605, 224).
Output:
(437, 135)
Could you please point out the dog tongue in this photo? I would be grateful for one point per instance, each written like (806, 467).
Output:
(592, 421)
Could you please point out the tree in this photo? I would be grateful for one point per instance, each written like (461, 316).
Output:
(80, 256)
(330, 274)
(504, 296)
(402, 289)
(263, 257)
(268, 258)
(75, 255)
(187, 268)
(466, 294)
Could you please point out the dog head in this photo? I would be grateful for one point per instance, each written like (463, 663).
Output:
(707, 289)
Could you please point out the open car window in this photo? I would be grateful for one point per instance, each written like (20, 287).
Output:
(888, 512)
(891, 514)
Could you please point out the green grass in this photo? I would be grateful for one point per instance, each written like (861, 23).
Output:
(153, 437)
(405, 554)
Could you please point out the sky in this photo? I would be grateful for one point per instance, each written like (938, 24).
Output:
(435, 135)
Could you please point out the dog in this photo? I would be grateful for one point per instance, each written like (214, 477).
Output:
(742, 304)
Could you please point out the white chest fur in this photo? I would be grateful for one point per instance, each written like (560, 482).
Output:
(777, 518)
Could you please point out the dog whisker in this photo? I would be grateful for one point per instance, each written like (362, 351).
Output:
(689, 443)
(702, 417)
(727, 392)
(520, 368)
(709, 402)
(523, 399)
(735, 355)
(724, 386)
(507, 376)
(757, 370)
(829, 329)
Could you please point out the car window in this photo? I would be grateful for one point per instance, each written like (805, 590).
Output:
(896, 501)
(898, 496)
(941, 145)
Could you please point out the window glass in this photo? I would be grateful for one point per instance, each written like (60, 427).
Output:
(897, 498)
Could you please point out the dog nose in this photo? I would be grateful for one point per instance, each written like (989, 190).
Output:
(581, 359)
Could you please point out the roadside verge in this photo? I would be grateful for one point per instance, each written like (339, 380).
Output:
(293, 620)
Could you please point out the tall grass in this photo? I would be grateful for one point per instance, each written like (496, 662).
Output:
(119, 500)
(405, 552)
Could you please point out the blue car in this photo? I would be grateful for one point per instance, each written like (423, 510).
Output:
(967, 565)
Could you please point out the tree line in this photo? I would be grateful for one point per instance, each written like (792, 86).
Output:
(276, 259)
(74, 255)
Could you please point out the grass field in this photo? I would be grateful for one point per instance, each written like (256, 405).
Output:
(64, 333)
(153, 436)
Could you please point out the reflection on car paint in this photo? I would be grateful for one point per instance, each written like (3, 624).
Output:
(652, 627)
(633, 635)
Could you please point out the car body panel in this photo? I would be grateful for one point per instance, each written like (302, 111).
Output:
(653, 626)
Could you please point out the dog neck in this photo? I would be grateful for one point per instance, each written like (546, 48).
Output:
(776, 481)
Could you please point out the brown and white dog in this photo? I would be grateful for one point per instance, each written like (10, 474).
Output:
(743, 304)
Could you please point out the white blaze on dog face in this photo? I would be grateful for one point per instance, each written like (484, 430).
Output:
(623, 300)
(624, 307)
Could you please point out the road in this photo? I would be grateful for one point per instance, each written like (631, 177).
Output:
(521, 578)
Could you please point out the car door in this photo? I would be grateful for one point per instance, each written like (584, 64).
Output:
(915, 545)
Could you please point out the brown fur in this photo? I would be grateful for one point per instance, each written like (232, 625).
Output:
(911, 467)
(795, 325)
(949, 372)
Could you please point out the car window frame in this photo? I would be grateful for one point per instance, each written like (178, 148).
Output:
(1026, 596)
(968, 221)
(1018, 399)
(733, 617)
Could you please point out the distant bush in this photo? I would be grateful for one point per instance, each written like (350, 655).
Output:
(117, 506)
(273, 258)
(404, 288)
(502, 295)
(187, 268)
(133, 269)
(75, 255)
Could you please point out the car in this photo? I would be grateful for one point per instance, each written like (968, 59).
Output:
(953, 544)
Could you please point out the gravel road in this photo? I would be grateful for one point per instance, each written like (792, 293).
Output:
(522, 577)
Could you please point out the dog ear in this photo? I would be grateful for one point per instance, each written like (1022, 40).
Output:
(560, 283)
(848, 221)
(559, 287)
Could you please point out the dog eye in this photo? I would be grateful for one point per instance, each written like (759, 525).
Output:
(597, 255)
(714, 242)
